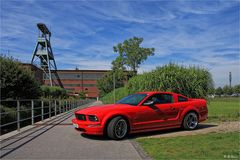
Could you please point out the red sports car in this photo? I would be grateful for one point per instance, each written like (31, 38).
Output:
(141, 112)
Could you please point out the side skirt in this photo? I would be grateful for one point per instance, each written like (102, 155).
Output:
(155, 129)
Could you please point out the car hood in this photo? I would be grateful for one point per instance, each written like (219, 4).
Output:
(94, 110)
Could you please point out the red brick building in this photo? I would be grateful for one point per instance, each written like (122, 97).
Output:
(74, 81)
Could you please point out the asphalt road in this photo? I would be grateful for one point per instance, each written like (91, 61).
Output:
(58, 139)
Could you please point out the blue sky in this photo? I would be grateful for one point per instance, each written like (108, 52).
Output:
(201, 33)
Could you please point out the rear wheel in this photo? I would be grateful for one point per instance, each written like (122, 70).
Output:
(190, 121)
(117, 128)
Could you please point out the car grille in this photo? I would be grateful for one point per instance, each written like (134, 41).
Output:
(81, 117)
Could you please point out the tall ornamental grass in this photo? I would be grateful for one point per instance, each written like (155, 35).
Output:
(194, 82)
(191, 81)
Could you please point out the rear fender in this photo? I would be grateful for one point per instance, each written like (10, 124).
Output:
(187, 110)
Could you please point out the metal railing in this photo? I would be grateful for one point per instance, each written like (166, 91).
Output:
(21, 113)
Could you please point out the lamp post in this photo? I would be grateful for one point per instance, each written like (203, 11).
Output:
(114, 86)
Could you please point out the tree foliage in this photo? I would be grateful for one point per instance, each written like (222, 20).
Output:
(131, 53)
(106, 84)
(219, 91)
(236, 89)
(227, 90)
(17, 82)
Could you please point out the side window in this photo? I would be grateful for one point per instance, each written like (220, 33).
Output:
(162, 98)
(166, 98)
(182, 99)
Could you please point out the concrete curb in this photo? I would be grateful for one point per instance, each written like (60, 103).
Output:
(140, 150)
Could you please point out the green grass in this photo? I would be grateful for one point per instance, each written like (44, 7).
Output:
(224, 109)
(210, 146)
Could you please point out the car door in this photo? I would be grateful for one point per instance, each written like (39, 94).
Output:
(168, 108)
(147, 117)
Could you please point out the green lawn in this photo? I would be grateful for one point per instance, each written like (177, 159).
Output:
(224, 109)
(210, 146)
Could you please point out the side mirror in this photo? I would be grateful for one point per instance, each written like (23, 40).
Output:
(148, 103)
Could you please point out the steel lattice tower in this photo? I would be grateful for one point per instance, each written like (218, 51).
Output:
(43, 52)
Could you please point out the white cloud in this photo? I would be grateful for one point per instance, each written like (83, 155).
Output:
(85, 32)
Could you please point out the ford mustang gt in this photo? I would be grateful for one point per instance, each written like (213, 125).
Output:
(141, 112)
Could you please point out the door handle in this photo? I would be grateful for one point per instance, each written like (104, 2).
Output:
(173, 108)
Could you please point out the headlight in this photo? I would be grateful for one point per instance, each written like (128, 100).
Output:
(92, 118)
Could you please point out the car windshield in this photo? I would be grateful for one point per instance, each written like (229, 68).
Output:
(132, 99)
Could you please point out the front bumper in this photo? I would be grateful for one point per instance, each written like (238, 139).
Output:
(92, 128)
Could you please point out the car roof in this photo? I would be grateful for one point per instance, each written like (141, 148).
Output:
(153, 92)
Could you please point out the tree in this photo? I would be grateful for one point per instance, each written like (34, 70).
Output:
(237, 89)
(219, 91)
(131, 54)
(227, 90)
(17, 82)
(106, 84)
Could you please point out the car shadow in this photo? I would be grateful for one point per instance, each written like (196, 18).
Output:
(95, 137)
(150, 133)
(164, 132)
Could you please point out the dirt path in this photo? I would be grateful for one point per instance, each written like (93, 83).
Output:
(203, 128)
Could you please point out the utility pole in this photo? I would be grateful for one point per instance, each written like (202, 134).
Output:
(230, 79)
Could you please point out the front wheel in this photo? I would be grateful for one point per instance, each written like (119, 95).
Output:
(117, 128)
(190, 121)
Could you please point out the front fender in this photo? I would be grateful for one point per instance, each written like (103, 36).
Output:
(115, 114)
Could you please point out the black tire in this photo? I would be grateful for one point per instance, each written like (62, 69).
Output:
(190, 121)
(117, 128)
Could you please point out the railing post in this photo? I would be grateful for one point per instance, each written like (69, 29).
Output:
(32, 111)
(60, 107)
(18, 115)
(55, 107)
(65, 106)
(69, 105)
(49, 109)
(42, 105)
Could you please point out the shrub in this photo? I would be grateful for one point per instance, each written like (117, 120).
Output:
(53, 92)
(82, 95)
